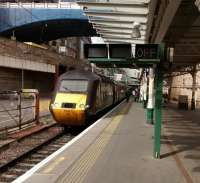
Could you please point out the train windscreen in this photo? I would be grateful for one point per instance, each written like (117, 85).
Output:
(73, 86)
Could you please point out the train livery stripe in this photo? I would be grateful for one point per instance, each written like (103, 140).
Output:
(79, 170)
(30, 172)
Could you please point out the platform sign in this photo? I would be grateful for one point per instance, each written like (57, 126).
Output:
(109, 55)
(115, 51)
(120, 55)
(147, 51)
(120, 50)
(95, 51)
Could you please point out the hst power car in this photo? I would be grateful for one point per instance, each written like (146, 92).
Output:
(80, 95)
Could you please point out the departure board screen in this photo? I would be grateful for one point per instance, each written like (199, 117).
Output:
(120, 50)
(95, 51)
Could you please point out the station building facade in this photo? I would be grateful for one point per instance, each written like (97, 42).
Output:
(38, 66)
(182, 85)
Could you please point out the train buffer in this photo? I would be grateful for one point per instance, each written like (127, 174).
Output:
(118, 148)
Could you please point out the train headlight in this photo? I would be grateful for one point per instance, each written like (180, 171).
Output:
(82, 106)
(55, 105)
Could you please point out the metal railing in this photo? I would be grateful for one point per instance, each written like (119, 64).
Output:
(61, 5)
(18, 108)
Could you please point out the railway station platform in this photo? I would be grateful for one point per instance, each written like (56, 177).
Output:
(119, 148)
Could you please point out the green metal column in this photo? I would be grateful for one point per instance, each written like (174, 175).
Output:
(158, 112)
(158, 102)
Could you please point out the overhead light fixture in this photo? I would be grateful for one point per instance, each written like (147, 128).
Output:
(136, 30)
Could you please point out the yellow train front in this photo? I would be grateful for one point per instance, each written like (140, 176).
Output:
(80, 95)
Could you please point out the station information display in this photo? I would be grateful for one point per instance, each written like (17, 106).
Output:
(120, 50)
(147, 51)
(115, 51)
(120, 55)
(95, 51)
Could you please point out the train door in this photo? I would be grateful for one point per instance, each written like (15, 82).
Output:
(98, 97)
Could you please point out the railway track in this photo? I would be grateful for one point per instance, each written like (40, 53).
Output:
(32, 149)
(23, 155)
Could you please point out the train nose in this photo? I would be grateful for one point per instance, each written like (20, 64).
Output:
(69, 116)
(69, 109)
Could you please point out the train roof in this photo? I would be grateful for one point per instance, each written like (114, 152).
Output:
(80, 74)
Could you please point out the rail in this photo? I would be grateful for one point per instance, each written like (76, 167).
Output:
(61, 5)
(18, 108)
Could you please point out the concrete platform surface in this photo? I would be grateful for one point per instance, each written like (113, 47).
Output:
(117, 149)
(181, 133)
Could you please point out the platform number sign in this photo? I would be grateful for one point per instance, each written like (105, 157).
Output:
(147, 51)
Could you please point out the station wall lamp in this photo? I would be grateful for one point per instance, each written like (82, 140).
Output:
(136, 30)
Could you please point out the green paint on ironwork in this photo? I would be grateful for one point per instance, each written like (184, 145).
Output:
(158, 110)
(150, 116)
(123, 60)
(158, 104)
(162, 52)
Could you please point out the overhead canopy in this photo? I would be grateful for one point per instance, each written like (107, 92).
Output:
(41, 22)
(119, 21)
(175, 23)
(183, 35)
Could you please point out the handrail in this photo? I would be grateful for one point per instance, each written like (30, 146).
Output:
(12, 116)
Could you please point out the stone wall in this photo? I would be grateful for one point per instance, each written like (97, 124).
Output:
(182, 85)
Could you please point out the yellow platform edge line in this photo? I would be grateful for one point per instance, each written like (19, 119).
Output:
(81, 167)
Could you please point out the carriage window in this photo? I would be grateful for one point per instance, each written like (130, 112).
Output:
(73, 86)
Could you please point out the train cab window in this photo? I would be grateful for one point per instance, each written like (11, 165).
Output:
(73, 86)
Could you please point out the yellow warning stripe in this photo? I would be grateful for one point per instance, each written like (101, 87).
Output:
(79, 170)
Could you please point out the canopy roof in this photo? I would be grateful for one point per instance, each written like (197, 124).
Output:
(119, 21)
(175, 23)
